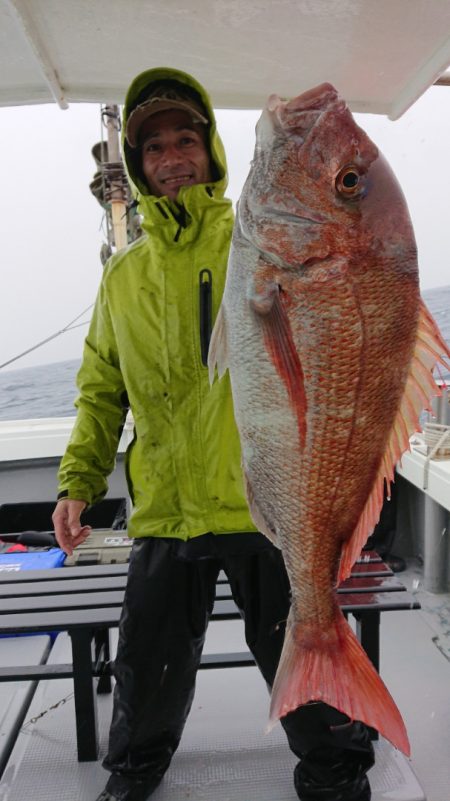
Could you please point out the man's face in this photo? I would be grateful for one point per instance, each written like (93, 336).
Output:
(174, 153)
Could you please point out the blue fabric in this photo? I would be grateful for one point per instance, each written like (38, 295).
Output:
(31, 560)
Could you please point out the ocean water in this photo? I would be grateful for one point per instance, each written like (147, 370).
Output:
(49, 390)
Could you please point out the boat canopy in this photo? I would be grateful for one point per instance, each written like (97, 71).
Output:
(380, 54)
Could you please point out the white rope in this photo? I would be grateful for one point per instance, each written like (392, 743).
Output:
(69, 327)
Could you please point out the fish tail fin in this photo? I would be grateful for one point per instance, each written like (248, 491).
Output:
(335, 669)
(218, 348)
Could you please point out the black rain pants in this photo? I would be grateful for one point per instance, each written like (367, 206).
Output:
(168, 602)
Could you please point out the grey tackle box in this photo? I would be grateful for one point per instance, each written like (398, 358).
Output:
(104, 546)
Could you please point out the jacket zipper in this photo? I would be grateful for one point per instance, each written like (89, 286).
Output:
(205, 299)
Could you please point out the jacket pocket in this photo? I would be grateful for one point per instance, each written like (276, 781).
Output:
(205, 301)
(127, 467)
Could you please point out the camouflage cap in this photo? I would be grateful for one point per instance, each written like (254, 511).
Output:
(162, 99)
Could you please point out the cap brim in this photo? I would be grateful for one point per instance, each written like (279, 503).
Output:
(146, 110)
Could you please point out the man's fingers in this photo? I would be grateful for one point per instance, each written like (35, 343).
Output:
(82, 535)
(66, 520)
(62, 532)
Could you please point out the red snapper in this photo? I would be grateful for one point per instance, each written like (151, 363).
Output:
(330, 351)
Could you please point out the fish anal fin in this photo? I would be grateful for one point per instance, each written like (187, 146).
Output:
(256, 514)
(339, 673)
(218, 347)
(270, 307)
(420, 388)
(352, 548)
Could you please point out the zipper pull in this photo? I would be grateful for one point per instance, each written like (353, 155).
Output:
(205, 313)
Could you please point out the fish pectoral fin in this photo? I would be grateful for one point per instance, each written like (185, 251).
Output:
(269, 306)
(337, 671)
(256, 514)
(420, 387)
(218, 347)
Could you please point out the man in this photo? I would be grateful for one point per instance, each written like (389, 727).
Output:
(147, 347)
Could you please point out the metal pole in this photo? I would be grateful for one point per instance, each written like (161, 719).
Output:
(118, 203)
(435, 546)
(442, 407)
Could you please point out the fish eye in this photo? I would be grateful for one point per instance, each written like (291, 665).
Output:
(348, 181)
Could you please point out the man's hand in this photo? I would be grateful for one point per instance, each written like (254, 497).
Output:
(66, 520)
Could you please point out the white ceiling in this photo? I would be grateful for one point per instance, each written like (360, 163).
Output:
(380, 54)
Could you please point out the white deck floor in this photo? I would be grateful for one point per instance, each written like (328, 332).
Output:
(415, 664)
(225, 754)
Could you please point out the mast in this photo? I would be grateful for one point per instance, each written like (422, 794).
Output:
(117, 190)
(111, 188)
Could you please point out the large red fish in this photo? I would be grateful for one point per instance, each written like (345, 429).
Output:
(330, 351)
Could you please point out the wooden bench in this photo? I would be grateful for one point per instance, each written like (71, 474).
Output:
(86, 602)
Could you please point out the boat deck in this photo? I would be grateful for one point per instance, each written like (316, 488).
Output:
(225, 754)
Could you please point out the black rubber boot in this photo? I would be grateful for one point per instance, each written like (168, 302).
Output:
(329, 775)
(335, 770)
(123, 788)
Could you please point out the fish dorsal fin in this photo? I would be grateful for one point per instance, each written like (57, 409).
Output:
(420, 387)
(218, 347)
(270, 308)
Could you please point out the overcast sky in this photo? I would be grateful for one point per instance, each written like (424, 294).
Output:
(51, 226)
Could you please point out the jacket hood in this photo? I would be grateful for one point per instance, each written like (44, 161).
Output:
(137, 92)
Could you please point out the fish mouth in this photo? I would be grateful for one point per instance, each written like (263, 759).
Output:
(319, 98)
(301, 113)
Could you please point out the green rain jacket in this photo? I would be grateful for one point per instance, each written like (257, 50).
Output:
(145, 345)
